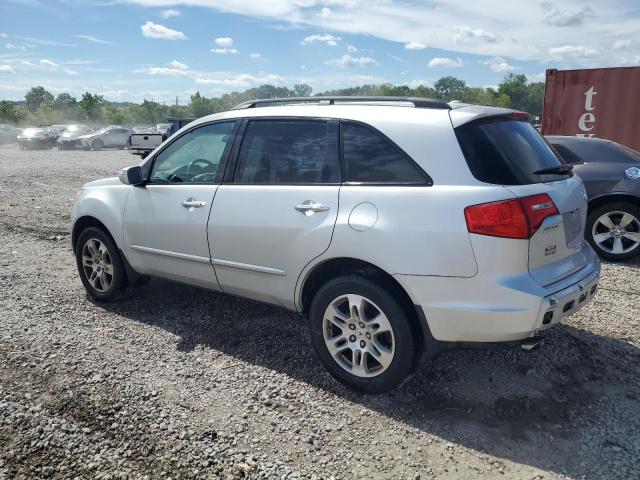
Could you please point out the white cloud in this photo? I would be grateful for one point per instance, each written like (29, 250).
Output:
(3, 35)
(255, 56)
(157, 31)
(629, 61)
(352, 49)
(55, 67)
(242, 80)
(48, 63)
(499, 64)
(91, 38)
(225, 45)
(325, 38)
(172, 69)
(564, 18)
(12, 46)
(467, 35)
(170, 12)
(347, 61)
(572, 52)
(415, 46)
(326, 12)
(397, 59)
(620, 44)
(178, 65)
(225, 42)
(6, 69)
(444, 62)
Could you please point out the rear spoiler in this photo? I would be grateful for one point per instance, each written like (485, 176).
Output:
(462, 113)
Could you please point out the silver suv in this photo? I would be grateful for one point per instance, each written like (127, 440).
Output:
(398, 227)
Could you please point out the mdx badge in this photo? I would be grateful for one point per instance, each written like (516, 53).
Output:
(550, 250)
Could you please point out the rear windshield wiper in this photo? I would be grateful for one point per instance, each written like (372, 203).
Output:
(558, 169)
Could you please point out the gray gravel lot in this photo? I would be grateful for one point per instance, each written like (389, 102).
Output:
(179, 382)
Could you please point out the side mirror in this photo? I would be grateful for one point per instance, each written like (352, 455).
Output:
(131, 175)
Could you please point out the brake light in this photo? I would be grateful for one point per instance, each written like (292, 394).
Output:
(516, 218)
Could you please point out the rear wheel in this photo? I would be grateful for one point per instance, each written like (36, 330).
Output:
(99, 265)
(362, 334)
(613, 230)
(97, 145)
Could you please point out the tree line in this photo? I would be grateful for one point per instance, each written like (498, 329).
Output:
(41, 107)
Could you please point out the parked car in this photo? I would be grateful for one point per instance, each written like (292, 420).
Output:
(70, 137)
(611, 174)
(430, 227)
(37, 138)
(109, 137)
(143, 143)
(8, 134)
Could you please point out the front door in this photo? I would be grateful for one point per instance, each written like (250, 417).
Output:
(280, 209)
(165, 221)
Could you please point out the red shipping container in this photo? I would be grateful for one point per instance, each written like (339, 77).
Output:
(598, 102)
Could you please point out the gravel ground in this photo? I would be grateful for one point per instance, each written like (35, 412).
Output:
(179, 382)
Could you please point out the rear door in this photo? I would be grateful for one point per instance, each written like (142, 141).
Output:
(279, 209)
(508, 151)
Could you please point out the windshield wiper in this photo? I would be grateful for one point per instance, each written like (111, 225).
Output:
(558, 169)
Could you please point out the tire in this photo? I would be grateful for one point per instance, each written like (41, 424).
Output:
(101, 287)
(397, 348)
(97, 145)
(621, 242)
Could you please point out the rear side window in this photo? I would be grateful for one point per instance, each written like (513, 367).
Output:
(506, 152)
(289, 152)
(567, 155)
(371, 158)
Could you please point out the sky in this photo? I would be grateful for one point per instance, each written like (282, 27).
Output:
(129, 50)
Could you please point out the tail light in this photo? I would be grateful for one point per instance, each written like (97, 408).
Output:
(516, 218)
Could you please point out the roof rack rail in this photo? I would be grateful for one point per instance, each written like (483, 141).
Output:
(417, 102)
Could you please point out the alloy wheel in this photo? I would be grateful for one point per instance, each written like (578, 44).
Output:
(358, 335)
(617, 232)
(97, 265)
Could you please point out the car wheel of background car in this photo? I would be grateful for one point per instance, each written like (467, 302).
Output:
(97, 145)
(362, 334)
(99, 265)
(613, 230)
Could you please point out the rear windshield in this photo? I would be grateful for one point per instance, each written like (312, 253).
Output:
(506, 152)
(599, 150)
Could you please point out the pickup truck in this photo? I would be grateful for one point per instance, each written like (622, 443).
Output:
(144, 143)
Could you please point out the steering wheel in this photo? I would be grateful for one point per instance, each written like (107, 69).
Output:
(201, 163)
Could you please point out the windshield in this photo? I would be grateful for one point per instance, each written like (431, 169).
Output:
(503, 151)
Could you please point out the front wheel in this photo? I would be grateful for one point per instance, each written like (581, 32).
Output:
(613, 230)
(362, 334)
(99, 265)
(97, 145)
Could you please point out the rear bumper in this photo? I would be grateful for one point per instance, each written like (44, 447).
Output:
(498, 308)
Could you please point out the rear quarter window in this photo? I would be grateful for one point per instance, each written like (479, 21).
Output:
(503, 151)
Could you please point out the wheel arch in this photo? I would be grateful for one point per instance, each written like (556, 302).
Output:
(335, 267)
(613, 197)
(85, 222)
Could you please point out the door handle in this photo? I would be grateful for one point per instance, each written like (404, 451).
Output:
(309, 207)
(191, 203)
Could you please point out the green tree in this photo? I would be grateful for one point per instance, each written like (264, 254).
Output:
(450, 88)
(91, 106)
(302, 90)
(9, 113)
(36, 97)
(524, 95)
(64, 101)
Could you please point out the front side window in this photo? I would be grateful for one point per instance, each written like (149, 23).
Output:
(371, 158)
(194, 157)
(289, 152)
